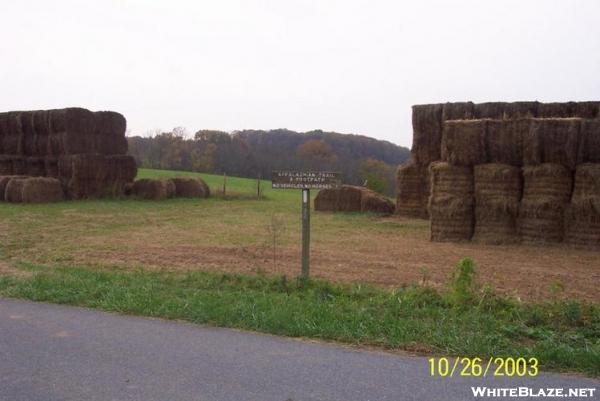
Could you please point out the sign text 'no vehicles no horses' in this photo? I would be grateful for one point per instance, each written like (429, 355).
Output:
(305, 180)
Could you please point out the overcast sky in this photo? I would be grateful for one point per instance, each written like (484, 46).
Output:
(349, 66)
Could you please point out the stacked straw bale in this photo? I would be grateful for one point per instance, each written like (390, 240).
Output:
(546, 193)
(497, 196)
(463, 142)
(50, 143)
(582, 219)
(451, 202)
(504, 139)
(552, 140)
(589, 142)
(413, 190)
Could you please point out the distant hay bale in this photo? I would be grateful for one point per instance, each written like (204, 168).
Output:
(41, 190)
(188, 187)
(504, 139)
(451, 202)
(589, 142)
(458, 111)
(463, 142)
(348, 198)
(587, 181)
(150, 188)
(448, 179)
(497, 196)
(373, 202)
(427, 133)
(547, 180)
(13, 192)
(541, 220)
(451, 218)
(109, 135)
(413, 190)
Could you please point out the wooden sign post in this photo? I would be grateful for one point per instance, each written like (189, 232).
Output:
(305, 180)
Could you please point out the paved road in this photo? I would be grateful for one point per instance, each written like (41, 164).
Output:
(51, 353)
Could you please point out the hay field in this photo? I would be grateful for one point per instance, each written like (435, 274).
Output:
(236, 235)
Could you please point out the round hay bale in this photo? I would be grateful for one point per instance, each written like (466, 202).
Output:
(582, 223)
(373, 202)
(13, 191)
(170, 187)
(541, 220)
(552, 181)
(448, 179)
(205, 187)
(451, 218)
(150, 188)
(41, 190)
(4, 182)
(349, 198)
(188, 188)
(589, 142)
(587, 181)
(427, 133)
(493, 182)
(504, 140)
(326, 200)
(413, 190)
(463, 142)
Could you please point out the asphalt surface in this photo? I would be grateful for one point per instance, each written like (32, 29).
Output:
(52, 352)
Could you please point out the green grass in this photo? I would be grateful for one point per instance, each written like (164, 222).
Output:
(465, 320)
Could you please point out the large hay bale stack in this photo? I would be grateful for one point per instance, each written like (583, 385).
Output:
(589, 142)
(12, 133)
(6, 165)
(497, 196)
(451, 202)
(41, 190)
(87, 176)
(504, 140)
(560, 140)
(520, 110)
(582, 218)
(489, 110)
(463, 142)
(156, 189)
(413, 190)
(75, 128)
(427, 133)
(557, 110)
(189, 187)
(35, 166)
(546, 193)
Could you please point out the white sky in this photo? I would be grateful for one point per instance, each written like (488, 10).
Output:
(350, 66)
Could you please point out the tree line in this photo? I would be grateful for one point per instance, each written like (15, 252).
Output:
(256, 153)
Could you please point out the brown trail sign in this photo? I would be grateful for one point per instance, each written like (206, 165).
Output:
(305, 180)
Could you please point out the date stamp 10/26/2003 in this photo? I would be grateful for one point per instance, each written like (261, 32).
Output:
(479, 367)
